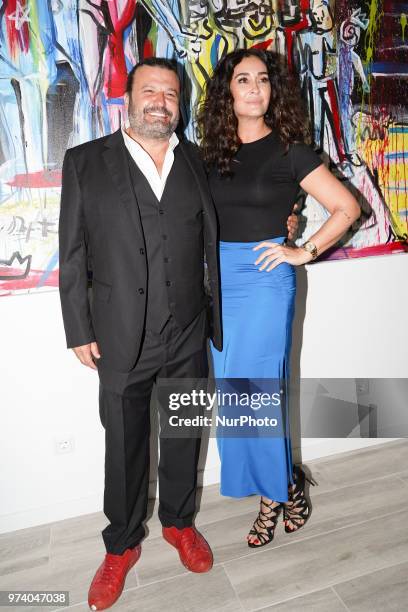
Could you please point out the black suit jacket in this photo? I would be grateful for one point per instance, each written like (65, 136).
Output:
(100, 229)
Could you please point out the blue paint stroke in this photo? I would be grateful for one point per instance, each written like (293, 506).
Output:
(398, 130)
(115, 101)
(390, 68)
(51, 265)
(214, 50)
(401, 155)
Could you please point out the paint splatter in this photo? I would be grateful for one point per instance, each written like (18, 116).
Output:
(403, 21)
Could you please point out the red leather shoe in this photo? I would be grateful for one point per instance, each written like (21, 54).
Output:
(194, 552)
(109, 580)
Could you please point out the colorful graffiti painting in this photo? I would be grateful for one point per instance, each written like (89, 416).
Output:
(63, 68)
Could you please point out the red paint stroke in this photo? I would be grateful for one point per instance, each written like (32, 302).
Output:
(9, 271)
(334, 106)
(42, 179)
(30, 282)
(148, 50)
(399, 246)
(115, 75)
(16, 38)
(291, 30)
(263, 45)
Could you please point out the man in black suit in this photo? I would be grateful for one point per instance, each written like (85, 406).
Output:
(136, 210)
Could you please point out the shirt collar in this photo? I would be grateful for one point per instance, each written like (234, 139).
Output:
(173, 140)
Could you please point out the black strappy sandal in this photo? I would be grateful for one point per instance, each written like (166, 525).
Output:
(260, 523)
(298, 507)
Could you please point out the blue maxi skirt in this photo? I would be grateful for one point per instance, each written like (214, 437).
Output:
(257, 315)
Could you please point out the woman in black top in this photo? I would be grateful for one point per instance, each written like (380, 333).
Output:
(254, 142)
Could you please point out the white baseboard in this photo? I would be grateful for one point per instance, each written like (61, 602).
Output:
(33, 517)
(209, 476)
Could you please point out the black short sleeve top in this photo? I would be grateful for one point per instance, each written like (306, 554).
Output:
(255, 202)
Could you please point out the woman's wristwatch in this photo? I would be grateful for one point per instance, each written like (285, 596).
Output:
(310, 248)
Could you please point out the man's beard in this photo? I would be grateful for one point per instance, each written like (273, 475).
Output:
(156, 129)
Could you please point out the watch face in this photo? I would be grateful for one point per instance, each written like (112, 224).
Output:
(310, 248)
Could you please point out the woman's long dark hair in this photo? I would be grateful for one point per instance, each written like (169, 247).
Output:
(218, 125)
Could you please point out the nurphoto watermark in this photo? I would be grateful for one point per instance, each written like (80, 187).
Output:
(233, 407)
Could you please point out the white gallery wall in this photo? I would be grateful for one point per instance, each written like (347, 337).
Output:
(350, 323)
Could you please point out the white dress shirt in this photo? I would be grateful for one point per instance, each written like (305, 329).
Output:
(147, 165)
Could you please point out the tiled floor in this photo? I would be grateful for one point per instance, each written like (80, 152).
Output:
(352, 555)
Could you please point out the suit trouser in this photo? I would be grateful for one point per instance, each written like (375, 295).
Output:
(124, 404)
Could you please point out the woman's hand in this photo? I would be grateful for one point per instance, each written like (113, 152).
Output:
(293, 223)
(275, 253)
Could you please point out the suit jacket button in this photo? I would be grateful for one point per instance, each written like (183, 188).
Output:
(141, 291)
(142, 251)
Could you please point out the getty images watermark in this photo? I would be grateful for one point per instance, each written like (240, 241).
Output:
(207, 401)
(222, 407)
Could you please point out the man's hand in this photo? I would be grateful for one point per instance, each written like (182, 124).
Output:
(87, 353)
(293, 223)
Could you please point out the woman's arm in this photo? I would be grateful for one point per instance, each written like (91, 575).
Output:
(341, 204)
(343, 209)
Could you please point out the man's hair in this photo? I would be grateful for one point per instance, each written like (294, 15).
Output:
(159, 62)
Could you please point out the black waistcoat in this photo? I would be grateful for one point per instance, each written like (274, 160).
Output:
(173, 233)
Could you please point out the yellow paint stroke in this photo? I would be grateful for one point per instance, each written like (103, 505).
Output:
(375, 20)
(375, 17)
(403, 22)
(392, 173)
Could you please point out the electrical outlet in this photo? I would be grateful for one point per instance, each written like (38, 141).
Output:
(64, 445)
(363, 386)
